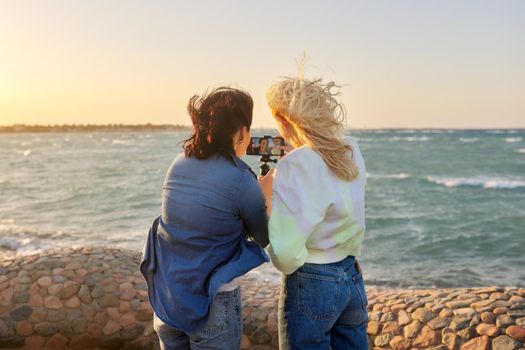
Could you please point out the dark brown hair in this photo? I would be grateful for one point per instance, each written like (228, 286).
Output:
(216, 117)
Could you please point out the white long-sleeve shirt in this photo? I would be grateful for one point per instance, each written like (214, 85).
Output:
(316, 217)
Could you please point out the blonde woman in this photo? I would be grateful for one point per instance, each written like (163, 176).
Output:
(317, 220)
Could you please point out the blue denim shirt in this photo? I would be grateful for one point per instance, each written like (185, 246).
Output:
(209, 208)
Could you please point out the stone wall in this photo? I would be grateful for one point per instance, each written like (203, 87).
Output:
(95, 298)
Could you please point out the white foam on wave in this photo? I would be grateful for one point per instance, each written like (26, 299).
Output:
(477, 181)
(411, 138)
(26, 240)
(399, 176)
(121, 142)
(512, 139)
(468, 139)
(521, 150)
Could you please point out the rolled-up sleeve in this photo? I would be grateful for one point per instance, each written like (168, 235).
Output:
(296, 212)
(253, 210)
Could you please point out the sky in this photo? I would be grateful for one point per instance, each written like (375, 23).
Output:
(401, 64)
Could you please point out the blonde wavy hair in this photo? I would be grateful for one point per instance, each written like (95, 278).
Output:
(317, 119)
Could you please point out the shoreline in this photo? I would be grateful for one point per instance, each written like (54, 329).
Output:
(95, 298)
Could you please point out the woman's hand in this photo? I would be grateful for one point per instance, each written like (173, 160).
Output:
(286, 148)
(266, 183)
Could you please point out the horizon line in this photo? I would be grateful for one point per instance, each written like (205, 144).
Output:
(145, 125)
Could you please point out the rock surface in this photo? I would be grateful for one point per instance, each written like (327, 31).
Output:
(95, 298)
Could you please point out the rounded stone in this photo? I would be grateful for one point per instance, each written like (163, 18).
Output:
(45, 328)
(499, 296)
(83, 341)
(128, 294)
(127, 319)
(57, 341)
(55, 289)
(34, 342)
(500, 311)
(132, 331)
(516, 332)
(20, 313)
(57, 315)
(373, 327)
(95, 330)
(504, 321)
(383, 340)
(73, 302)
(70, 288)
(44, 281)
(24, 328)
(97, 291)
(439, 323)
(478, 343)
(52, 302)
(423, 314)
(465, 312)
(84, 294)
(144, 315)
(487, 329)
(504, 342)
(446, 313)
(427, 337)
(111, 327)
(400, 343)
(411, 331)
(403, 318)
(80, 325)
(488, 317)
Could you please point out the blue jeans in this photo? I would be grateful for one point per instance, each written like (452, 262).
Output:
(323, 306)
(222, 330)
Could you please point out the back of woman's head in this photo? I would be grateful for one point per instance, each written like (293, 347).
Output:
(317, 119)
(216, 117)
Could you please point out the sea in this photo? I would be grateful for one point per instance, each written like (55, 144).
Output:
(444, 208)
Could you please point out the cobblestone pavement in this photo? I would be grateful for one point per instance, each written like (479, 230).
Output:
(95, 298)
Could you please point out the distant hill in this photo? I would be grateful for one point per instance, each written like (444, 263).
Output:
(21, 128)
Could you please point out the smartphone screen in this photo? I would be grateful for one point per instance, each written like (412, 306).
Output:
(266, 145)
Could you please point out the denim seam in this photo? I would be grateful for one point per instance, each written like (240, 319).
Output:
(361, 297)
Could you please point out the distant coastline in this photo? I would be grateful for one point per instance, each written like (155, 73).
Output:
(22, 128)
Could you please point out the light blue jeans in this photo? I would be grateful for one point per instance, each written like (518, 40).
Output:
(324, 306)
(222, 330)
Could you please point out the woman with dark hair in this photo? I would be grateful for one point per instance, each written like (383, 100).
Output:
(199, 247)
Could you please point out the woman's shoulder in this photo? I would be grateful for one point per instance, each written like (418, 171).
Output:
(301, 163)
(302, 155)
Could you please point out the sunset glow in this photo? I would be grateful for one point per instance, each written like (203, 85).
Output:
(401, 64)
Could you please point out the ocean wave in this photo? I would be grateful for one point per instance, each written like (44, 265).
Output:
(521, 150)
(468, 139)
(411, 138)
(122, 142)
(27, 240)
(477, 181)
(512, 139)
(399, 176)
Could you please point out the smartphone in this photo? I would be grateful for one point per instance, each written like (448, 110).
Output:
(265, 146)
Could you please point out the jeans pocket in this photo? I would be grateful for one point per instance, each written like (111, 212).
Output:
(218, 316)
(317, 295)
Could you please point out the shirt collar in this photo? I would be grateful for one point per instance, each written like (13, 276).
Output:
(239, 163)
